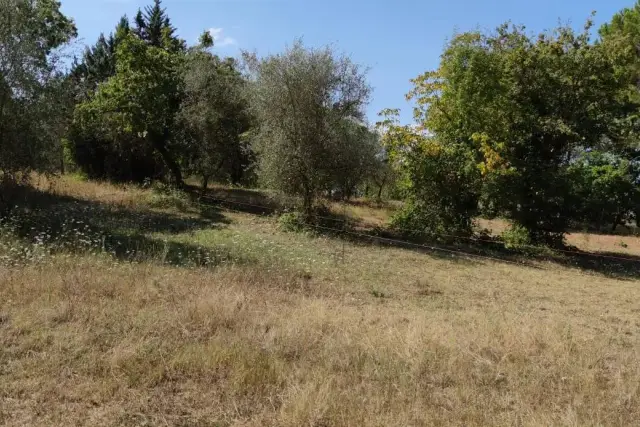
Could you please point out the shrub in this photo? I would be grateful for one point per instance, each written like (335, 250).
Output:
(442, 190)
(292, 222)
(166, 196)
(516, 237)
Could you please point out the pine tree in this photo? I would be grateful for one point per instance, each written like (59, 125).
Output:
(140, 29)
(156, 22)
(154, 27)
(122, 27)
(99, 61)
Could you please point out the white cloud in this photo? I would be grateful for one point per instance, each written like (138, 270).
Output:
(219, 39)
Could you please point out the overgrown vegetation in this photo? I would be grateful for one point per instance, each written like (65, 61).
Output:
(34, 101)
(507, 104)
(109, 305)
(129, 296)
(538, 129)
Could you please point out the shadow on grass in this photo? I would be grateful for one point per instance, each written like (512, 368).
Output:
(259, 203)
(372, 204)
(238, 199)
(608, 264)
(458, 250)
(457, 253)
(63, 223)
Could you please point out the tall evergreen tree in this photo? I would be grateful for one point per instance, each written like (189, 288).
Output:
(99, 61)
(154, 27)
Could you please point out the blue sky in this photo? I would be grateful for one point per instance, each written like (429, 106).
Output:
(397, 40)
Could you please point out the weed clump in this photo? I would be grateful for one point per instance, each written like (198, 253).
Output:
(293, 222)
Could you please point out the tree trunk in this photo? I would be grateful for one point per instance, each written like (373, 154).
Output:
(616, 221)
(307, 202)
(205, 182)
(3, 101)
(159, 143)
(62, 166)
(381, 187)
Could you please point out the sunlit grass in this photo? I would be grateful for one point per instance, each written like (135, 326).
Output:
(119, 312)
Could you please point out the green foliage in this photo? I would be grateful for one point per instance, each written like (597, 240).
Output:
(34, 101)
(292, 222)
(214, 113)
(125, 124)
(440, 182)
(206, 40)
(139, 103)
(355, 160)
(120, 158)
(97, 154)
(624, 23)
(516, 237)
(68, 161)
(621, 38)
(383, 178)
(167, 196)
(524, 105)
(142, 94)
(153, 26)
(99, 61)
(302, 100)
(606, 190)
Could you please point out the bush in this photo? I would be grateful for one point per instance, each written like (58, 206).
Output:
(516, 237)
(292, 222)
(165, 196)
(127, 160)
(604, 189)
(442, 190)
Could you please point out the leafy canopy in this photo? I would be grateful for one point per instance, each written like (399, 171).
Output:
(140, 100)
(302, 99)
(32, 89)
(523, 106)
(215, 114)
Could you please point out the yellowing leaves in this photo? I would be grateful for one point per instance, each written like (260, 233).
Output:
(492, 160)
(430, 147)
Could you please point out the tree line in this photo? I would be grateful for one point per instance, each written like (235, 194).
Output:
(541, 129)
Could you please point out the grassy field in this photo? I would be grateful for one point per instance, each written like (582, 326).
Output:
(120, 306)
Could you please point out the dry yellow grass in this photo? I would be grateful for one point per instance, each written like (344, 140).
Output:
(388, 338)
(126, 196)
(369, 213)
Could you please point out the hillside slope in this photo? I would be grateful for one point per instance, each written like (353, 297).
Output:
(122, 307)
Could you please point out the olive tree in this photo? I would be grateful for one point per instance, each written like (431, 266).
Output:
(356, 159)
(301, 100)
(32, 87)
